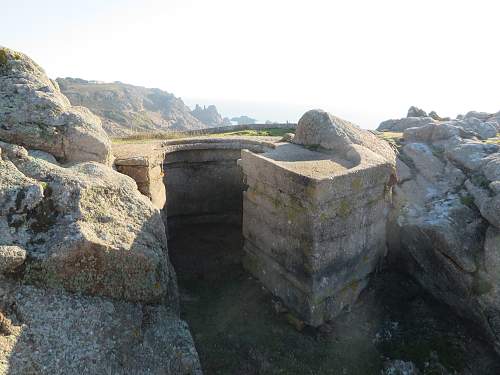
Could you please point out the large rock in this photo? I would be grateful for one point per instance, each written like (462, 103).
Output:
(435, 132)
(416, 112)
(404, 123)
(34, 113)
(55, 332)
(484, 129)
(435, 116)
(469, 154)
(85, 228)
(447, 198)
(317, 128)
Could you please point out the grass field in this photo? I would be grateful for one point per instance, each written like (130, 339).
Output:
(149, 137)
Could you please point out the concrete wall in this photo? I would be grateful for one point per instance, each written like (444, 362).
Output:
(203, 186)
(193, 180)
(203, 182)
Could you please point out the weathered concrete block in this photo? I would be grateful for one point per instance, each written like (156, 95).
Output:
(314, 219)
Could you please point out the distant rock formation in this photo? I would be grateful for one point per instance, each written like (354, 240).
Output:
(210, 116)
(244, 120)
(483, 125)
(127, 109)
(436, 117)
(416, 112)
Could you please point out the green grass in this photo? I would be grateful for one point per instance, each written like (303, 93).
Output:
(271, 132)
(393, 138)
(495, 140)
(149, 137)
(3, 57)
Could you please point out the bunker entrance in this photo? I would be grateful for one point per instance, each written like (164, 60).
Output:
(204, 186)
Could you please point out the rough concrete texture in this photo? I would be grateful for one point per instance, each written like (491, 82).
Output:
(34, 113)
(313, 222)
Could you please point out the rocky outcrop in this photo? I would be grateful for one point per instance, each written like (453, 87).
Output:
(55, 332)
(482, 127)
(435, 116)
(404, 123)
(244, 120)
(445, 221)
(86, 284)
(416, 112)
(85, 228)
(320, 129)
(34, 113)
(210, 116)
(127, 109)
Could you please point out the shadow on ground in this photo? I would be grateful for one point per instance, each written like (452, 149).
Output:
(239, 328)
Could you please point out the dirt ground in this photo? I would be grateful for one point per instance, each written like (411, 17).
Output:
(240, 328)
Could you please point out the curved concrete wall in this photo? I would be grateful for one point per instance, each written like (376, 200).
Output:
(203, 182)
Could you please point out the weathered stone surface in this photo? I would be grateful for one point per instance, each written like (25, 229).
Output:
(54, 332)
(34, 113)
(441, 211)
(416, 112)
(404, 123)
(491, 167)
(403, 172)
(312, 220)
(11, 258)
(488, 205)
(470, 154)
(317, 128)
(435, 116)
(483, 129)
(85, 228)
(435, 132)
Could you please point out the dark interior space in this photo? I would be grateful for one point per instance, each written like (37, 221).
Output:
(240, 328)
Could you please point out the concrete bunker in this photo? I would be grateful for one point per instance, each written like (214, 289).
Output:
(312, 216)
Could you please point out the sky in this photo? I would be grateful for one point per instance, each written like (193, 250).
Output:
(363, 60)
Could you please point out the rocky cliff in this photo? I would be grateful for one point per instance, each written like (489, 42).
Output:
(127, 109)
(210, 116)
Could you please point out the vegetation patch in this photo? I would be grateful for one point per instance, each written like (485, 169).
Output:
(467, 200)
(495, 141)
(271, 132)
(394, 138)
(152, 136)
(4, 59)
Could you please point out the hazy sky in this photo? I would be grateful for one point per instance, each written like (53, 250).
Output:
(365, 61)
